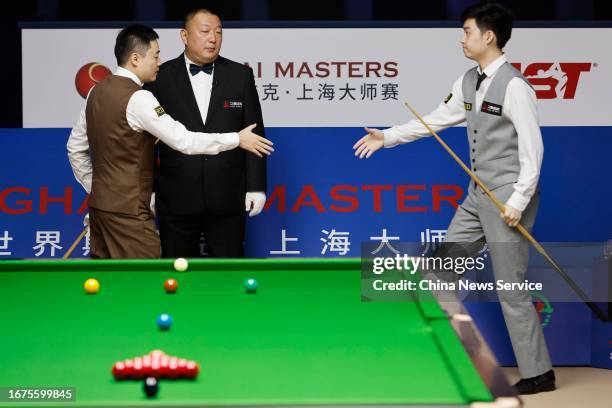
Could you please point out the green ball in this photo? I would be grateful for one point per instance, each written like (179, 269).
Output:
(251, 285)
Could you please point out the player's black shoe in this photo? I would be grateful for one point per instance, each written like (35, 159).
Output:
(540, 383)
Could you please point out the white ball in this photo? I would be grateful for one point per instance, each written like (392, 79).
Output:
(180, 265)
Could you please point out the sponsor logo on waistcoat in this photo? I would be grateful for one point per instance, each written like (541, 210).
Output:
(491, 108)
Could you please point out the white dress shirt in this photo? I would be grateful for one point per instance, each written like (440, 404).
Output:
(201, 83)
(519, 107)
(141, 116)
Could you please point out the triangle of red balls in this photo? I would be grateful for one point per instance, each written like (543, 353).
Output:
(155, 364)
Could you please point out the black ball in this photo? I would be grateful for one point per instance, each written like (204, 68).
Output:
(151, 387)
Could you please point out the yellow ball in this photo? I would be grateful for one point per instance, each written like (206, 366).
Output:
(91, 286)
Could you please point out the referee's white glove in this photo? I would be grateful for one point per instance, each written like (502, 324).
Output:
(86, 220)
(254, 202)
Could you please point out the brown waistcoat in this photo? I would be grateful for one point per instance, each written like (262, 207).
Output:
(122, 158)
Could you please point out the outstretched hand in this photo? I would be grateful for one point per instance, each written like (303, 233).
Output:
(369, 144)
(254, 143)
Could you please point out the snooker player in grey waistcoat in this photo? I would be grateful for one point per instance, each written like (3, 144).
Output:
(506, 153)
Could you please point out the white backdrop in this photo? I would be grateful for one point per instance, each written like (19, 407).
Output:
(571, 68)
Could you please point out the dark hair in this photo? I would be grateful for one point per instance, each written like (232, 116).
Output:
(193, 13)
(491, 16)
(133, 38)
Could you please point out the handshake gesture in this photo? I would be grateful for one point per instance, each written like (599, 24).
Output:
(369, 144)
(253, 143)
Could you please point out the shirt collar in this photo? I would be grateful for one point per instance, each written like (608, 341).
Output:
(128, 74)
(492, 68)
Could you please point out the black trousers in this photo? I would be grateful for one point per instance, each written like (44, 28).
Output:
(180, 235)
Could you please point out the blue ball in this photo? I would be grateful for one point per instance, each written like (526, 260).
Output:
(164, 321)
(251, 285)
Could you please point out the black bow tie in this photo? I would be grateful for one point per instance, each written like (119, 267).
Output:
(481, 78)
(206, 68)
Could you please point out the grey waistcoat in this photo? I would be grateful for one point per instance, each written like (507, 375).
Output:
(492, 137)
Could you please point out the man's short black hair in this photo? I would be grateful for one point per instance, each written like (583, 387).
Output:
(133, 38)
(491, 16)
(189, 16)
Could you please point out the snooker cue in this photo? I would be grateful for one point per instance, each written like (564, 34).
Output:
(81, 235)
(75, 243)
(598, 312)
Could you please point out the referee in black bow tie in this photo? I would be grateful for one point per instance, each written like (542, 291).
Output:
(208, 195)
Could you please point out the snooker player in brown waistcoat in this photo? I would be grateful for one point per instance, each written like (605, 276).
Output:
(111, 149)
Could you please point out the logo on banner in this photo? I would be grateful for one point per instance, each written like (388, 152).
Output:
(88, 76)
(543, 307)
(553, 80)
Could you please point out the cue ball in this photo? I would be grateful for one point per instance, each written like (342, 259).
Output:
(91, 286)
(164, 321)
(151, 386)
(171, 285)
(250, 285)
(180, 265)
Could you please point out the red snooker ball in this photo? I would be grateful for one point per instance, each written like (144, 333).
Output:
(163, 364)
(173, 370)
(191, 369)
(129, 368)
(171, 285)
(181, 367)
(119, 370)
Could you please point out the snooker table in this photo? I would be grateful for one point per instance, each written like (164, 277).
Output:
(306, 337)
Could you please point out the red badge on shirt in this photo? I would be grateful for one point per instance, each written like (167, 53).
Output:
(232, 104)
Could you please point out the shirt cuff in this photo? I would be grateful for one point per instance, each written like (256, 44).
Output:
(230, 140)
(391, 138)
(518, 201)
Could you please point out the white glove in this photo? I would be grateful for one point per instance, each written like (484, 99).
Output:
(152, 204)
(86, 220)
(254, 202)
